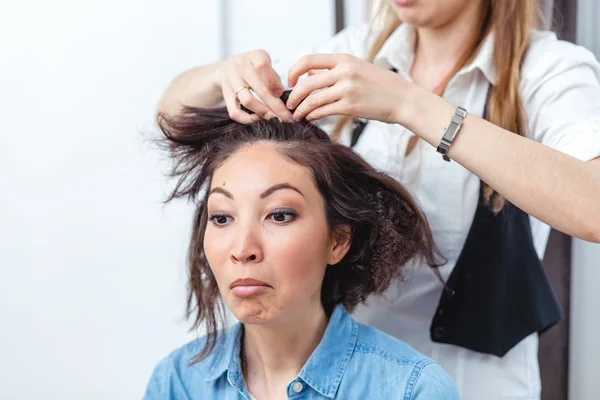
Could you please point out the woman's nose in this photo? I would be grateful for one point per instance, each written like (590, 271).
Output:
(247, 247)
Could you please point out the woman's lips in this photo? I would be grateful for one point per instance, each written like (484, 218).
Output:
(248, 287)
(249, 291)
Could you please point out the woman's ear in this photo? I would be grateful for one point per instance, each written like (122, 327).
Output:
(341, 239)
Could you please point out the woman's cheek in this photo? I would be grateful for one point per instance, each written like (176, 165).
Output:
(300, 253)
(216, 252)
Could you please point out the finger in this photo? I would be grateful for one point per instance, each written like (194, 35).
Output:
(234, 110)
(273, 103)
(246, 99)
(311, 61)
(316, 100)
(270, 78)
(326, 110)
(309, 85)
(316, 71)
(261, 63)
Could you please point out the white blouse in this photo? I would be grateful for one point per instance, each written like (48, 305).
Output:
(561, 92)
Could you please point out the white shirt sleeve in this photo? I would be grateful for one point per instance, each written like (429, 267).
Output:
(561, 92)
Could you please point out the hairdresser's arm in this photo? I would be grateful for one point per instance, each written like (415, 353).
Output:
(210, 85)
(552, 186)
(197, 87)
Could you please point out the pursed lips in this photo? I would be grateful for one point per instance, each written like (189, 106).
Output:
(249, 287)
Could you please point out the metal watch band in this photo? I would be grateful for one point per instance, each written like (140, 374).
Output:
(450, 131)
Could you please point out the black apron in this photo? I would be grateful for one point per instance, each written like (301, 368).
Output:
(498, 293)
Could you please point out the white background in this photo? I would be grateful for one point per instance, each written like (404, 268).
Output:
(584, 374)
(92, 265)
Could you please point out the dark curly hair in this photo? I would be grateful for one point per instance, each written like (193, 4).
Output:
(388, 228)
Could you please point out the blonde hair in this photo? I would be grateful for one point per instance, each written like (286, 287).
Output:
(514, 18)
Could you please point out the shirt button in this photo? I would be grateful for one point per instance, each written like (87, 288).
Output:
(297, 387)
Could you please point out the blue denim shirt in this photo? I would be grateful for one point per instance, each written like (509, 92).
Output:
(352, 361)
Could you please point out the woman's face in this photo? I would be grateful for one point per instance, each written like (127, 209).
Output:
(267, 240)
(432, 13)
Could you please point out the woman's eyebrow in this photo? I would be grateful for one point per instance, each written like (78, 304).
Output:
(266, 193)
(222, 191)
(277, 187)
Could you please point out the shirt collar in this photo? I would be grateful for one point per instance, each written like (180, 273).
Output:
(322, 371)
(325, 367)
(225, 357)
(398, 52)
(483, 60)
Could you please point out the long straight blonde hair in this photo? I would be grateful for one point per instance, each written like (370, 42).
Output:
(514, 19)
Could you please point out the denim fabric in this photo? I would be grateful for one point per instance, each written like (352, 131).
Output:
(352, 361)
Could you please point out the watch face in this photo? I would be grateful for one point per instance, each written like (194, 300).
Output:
(451, 132)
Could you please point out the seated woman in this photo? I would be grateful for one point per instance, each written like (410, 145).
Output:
(291, 232)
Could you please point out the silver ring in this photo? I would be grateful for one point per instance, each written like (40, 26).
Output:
(240, 89)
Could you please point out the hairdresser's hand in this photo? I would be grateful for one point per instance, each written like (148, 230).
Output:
(254, 71)
(350, 86)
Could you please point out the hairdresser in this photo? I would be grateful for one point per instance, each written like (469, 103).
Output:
(493, 125)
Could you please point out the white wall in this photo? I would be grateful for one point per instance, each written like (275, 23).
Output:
(282, 27)
(92, 265)
(584, 375)
(588, 30)
(358, 12)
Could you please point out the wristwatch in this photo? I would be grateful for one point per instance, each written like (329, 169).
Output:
(450, 132)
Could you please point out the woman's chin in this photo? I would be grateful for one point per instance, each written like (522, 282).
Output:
(252, 314)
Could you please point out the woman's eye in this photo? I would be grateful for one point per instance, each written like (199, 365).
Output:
(282, 217)
(219, 219)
